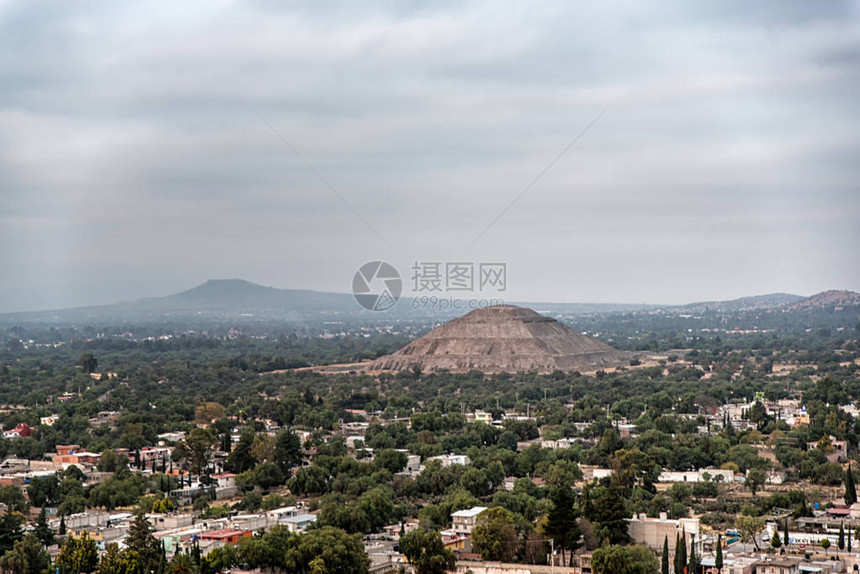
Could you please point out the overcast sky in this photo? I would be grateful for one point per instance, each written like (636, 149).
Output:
(134, 160)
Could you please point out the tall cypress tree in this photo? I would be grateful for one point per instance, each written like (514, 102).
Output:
(162, 560)
(850, 490)
(195, 553)
(694, 564)
(683, 551)
(587, 506)
(42, 530)
(664, 563)
(785, 533)
(562, 521)
(841, 542)
(718, 561)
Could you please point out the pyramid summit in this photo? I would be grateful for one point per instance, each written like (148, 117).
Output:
(505, 338)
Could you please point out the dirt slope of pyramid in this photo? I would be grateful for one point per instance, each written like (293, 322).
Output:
(503, 339)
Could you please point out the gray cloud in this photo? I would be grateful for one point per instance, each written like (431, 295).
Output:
(132, 162)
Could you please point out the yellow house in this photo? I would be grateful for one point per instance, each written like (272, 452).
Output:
(483, 417)
(96, 534)
(454, 543)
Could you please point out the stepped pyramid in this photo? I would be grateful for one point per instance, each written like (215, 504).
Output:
(503, 339)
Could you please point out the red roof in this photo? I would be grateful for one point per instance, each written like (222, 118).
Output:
(223, 534)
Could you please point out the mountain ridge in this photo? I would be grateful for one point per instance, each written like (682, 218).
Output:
(835, 298)
(229, 297)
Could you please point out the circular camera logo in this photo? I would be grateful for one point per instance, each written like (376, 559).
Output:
(377, 286)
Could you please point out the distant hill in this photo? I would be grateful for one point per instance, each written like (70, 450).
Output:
(753, 303)
(215, 298)
(226, 300)
(240, 296)
(832, 299)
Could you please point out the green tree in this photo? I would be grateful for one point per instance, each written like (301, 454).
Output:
(288, 451)
(219, 560)
(749, 527)
(309, 480)
(850, 489)
(197, 449)
(44, 490)
(755, 479)
(562, 524)
(88, 363)
(776, 540)
(27, 556)
(266, 475)
(14, 499)
(757, 415)
(241, 458)
(42, 529)
(112, 461)
(610, 515)
(426, 553)
(694, 563)
(624, 560)
(275, 500)
(10, 530)
(718, 559)
(634, 468)
(143, 542)
(494, 536)
(116, 561)
(392, 460)
(825, 543)
(71, 491)
(181, 564)
(337, 551)
(78, 555)
(840, 543)
(664, 557)
(251, 502)
(676, 558)
(785, 539)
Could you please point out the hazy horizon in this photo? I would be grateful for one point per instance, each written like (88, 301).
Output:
(347, 293)
(147, 148)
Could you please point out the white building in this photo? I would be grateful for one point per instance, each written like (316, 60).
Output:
(299, 523)
(463, 521)
(449, 459)
(697, 475)
(652, 532)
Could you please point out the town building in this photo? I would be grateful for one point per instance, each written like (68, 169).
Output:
(299, 523)
(463, 521)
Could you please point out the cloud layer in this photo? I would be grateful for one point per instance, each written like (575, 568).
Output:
(133, 162)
